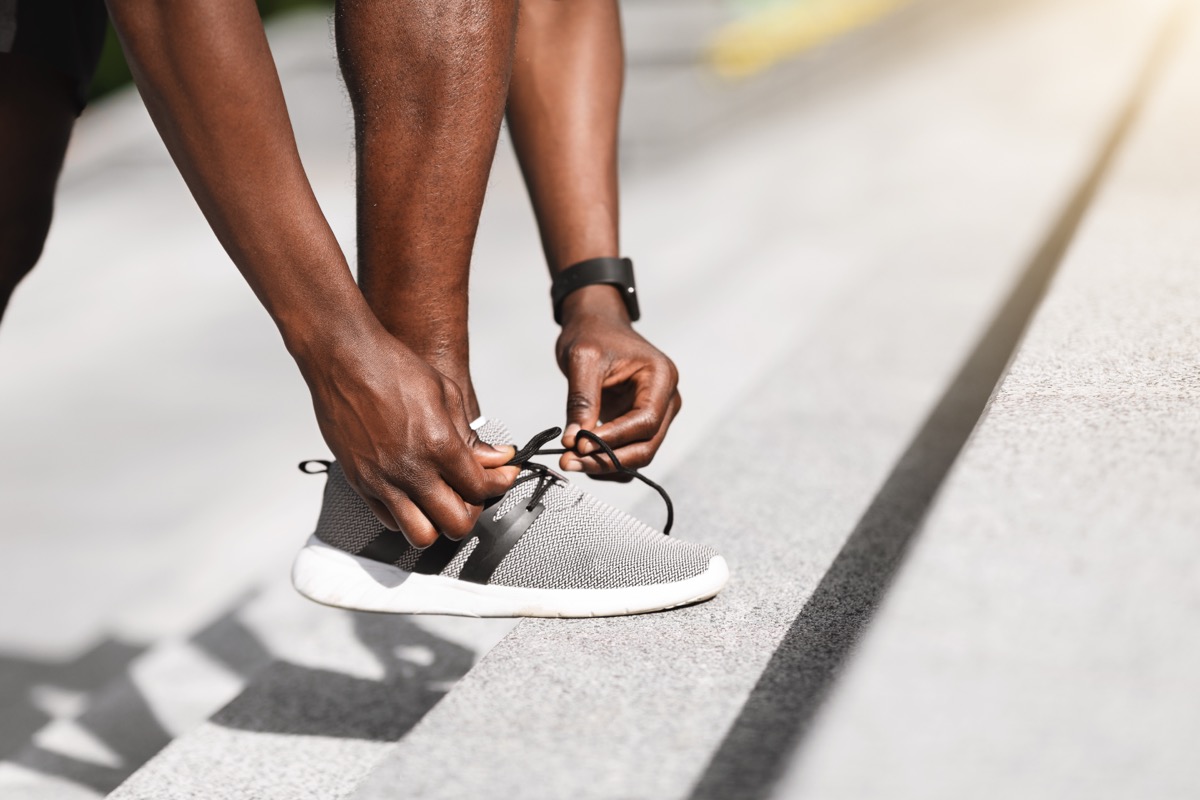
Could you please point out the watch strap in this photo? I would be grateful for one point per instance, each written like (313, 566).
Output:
(616, 272)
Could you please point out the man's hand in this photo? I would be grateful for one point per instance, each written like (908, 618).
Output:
(400, 431)
(614, 375)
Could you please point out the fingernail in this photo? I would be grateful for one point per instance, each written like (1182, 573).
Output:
(573, 466)
(571, 431)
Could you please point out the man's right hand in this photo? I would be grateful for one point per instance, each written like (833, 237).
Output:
(401, 434)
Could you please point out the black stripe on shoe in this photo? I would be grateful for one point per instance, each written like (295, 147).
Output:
(496, 540)
(387, 546)
(435, 557)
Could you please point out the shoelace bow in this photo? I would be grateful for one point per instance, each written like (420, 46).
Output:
(547, 477)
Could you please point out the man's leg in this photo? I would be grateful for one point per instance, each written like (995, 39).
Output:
(428, 80)
(37, 111)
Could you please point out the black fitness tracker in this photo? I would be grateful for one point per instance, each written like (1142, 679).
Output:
(616, 272)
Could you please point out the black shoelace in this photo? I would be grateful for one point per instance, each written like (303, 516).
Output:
(547, 477)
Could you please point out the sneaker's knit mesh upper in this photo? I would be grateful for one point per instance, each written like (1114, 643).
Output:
(581, 543)
(578, 542)
(346, 522)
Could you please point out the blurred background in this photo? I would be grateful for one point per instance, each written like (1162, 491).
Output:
(860, 181)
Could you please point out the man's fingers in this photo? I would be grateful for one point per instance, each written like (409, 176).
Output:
(652, 400)
(381, 511)
(635, 455)
(498, 474)
(484, 479)
(585, 383)
(461, 469)
(500, 480)
(447, 512)
(415, 526)
(490, 457)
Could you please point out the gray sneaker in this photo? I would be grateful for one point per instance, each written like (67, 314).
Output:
(545, 549)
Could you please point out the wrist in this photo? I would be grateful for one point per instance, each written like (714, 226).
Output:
(602, 301)
(319, 337)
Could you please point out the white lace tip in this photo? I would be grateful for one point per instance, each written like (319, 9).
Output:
(479, 423)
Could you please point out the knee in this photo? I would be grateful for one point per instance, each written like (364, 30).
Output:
(23, 230)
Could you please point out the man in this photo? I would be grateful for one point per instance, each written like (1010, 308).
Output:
(387, 365)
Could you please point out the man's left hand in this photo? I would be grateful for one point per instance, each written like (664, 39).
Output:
(614, 376)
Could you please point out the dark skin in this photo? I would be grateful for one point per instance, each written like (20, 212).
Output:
(391, 386)
(426, 136)
(415, 239)
(395, 423)
(563, 109)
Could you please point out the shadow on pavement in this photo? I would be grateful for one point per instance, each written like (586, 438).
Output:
(20, 718)
(281, 697)
(290, 698)
(117, 713)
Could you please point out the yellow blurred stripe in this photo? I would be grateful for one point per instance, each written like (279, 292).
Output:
(755, 43)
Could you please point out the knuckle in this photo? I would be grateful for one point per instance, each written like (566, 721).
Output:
(439, 439)
(666, 371)
(584, 355)
(639, 459)
(459, 527)
(395, 479)
(578, 401)
(471, 488)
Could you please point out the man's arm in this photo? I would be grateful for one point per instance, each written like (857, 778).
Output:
(396, 425)
(563, 107)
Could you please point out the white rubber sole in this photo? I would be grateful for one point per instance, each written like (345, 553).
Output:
(337, 578)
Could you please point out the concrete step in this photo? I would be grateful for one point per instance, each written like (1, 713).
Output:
(847, 270)
(1042, 640)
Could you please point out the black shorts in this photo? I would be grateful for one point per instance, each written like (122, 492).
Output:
(65, 35)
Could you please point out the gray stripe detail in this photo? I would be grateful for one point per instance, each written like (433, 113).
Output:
(8, 25)
(496, 540)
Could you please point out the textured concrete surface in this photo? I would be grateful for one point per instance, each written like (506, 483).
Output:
(1042, 642)
(638, 707)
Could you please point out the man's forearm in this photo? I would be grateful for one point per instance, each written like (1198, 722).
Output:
(210, 84)
(563, 107)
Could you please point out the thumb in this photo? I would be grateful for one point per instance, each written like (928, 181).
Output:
(585, 379)
(492, 457)
(494, 460)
